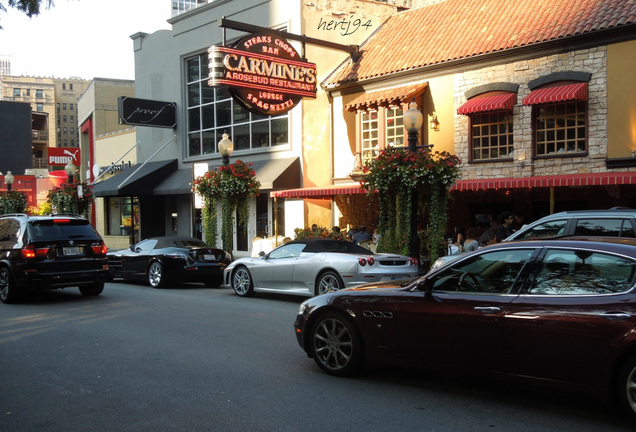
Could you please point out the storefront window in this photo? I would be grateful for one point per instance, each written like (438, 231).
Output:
(560, 128)
(212, 112)
(492, 135)
(122, 217)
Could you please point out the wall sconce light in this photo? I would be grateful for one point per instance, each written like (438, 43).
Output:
(434, 123)
(8, 179)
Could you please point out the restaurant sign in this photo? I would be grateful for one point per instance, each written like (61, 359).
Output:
(264, 73)
(146, 112)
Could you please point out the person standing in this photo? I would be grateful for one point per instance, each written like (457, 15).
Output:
(504, 230)
(362, 235)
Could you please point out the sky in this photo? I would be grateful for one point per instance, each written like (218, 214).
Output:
(98, 34)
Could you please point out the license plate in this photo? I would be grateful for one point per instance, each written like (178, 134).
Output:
(72, 251)
(397, 277)
(208, 257)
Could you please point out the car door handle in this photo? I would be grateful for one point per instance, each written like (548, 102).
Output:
(488, 309)
(616, 316)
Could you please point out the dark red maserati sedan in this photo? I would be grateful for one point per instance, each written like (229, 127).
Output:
(550, 312)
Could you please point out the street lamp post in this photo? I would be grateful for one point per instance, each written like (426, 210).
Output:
(413, 120)
(8, 179)
(226, 147)
(70, 171)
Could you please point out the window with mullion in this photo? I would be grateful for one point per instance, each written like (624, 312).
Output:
(370, 136)
(560, 128)
(394, 127)
(491, 135)
(211, 111)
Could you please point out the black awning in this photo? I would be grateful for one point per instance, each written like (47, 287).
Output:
(272, 173)
(137, 180)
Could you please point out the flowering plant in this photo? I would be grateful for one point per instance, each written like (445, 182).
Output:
(395, 174)
(64, 199)
(318, 232)
(13, 202)
(233, 185)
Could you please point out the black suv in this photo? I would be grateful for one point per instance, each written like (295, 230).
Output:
(57, 251)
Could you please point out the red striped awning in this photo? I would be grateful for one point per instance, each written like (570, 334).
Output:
(319, 192)
(590, 179)
(395, 96)
(488, 103)
(575, 92)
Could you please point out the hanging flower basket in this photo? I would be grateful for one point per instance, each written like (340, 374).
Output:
(393, 175)
(64, 199)
(233, 186)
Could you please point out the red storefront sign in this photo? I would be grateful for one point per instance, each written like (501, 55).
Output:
(62, 156)
(264, 74)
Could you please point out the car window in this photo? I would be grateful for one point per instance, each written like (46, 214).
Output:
(546, 229)
(287, 251)
(60, 229)
(582, 272)
(604, 227)
(146, 245)
(9, 232)
(490, 272)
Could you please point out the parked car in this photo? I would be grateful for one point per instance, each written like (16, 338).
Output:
(170, 259)
(615, 222)
(41, 252)
(549, 312)
(315, 266)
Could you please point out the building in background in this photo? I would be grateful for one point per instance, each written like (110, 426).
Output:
(104, 141)
(67, 92)
(181, 6)
(5, 64)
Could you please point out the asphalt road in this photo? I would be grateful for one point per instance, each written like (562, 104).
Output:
(199, 359)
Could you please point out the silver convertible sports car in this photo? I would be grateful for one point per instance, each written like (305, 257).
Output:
(315, 266)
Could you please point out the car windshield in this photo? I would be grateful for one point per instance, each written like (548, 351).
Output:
(60, 229)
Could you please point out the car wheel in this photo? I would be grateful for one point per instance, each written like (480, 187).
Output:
(156, 278)
(242, 282)
(8, 290)
(626, 386)
(336, 345)
(92, 290)
(328, 281)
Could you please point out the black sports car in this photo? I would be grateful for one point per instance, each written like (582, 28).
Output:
(172, 259)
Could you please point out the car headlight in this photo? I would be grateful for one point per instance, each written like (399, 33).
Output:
(304, 306)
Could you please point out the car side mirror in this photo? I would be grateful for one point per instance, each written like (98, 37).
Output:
(261, 254)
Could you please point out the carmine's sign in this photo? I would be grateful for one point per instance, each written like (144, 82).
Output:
(264, 73)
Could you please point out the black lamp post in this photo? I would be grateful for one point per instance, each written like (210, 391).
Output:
(413, 120)
(8, 179)
(226, 147)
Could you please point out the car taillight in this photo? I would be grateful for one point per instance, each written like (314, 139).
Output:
(365, 261)
(30, 251)
(415, 261)
(99, 248)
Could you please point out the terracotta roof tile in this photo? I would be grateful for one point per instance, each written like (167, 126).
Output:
(457, 29)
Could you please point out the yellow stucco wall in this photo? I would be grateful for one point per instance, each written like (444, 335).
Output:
(439, 101)
(621, 94)
(343, 22)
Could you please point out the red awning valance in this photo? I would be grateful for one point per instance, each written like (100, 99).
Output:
(319, 192)
(385, 98)
(488, 103)
(575, 92)
(591, 179)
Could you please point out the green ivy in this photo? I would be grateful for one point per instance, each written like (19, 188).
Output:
(233, 186)
(392, 176)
